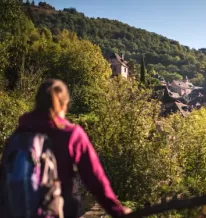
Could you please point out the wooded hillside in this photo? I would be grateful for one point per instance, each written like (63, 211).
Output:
(168, 57)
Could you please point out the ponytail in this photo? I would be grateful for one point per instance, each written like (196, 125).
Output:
(51, 97)
(55, 109)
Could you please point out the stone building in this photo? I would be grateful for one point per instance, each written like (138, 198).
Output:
(119, 65)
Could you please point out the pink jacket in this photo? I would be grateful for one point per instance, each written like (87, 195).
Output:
(72, 146)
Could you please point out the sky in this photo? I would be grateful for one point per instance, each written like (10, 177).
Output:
(181, 20)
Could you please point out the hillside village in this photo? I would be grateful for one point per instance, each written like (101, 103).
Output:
(165, 55)
(179, 95)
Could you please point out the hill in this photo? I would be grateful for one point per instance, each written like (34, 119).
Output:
(168, 57)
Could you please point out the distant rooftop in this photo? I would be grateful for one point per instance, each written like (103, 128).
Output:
(182, 85)
(120, 59)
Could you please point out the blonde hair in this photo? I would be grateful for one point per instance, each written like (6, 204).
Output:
(51, 97)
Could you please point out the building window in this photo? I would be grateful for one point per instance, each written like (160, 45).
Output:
(125, 69)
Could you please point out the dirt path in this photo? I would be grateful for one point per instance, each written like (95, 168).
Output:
(95, 212)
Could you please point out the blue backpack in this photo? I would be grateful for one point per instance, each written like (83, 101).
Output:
(31, 187)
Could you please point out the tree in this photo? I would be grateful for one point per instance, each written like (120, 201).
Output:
(84, 68)
(134, 68)
(119, 127)
(143, 71)
(169, 77)
(78, 62)
(199, 80)
(28, 3)
(15, 28)
(114, 35)
(11, 109)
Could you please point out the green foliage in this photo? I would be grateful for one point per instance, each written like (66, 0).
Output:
(144, 165)
(199, 80)
(83, 67)
(170, 76)
(78, 62)
(134, 68)
(39, 54)
(147, 158)
(147, 161)
(112, 35)
(130, 204)
(124, 123)
(188, 138)
(14, 30)
(143, 71)
(11, 109)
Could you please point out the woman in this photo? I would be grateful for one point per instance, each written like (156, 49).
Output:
(71, 147)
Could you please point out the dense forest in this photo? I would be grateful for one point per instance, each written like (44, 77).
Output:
(149, 159)
(167, 57)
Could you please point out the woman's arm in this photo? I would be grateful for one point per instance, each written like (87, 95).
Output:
(92, 173)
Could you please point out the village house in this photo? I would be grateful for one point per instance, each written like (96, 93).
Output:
(119, 65)
(173, 107)
(182, 87)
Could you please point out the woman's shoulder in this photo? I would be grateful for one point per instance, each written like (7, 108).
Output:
(75, 128)
(77, 135)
